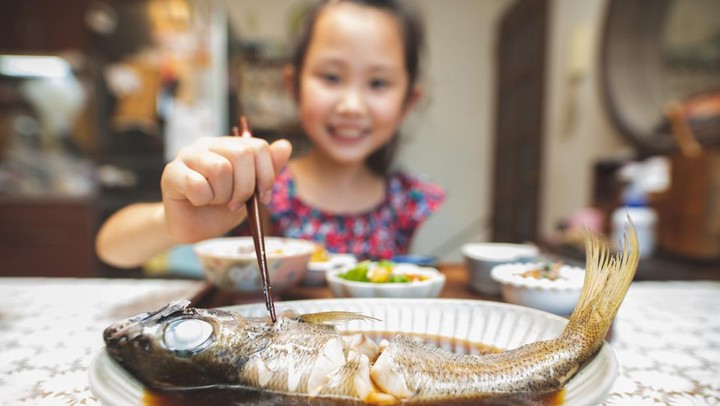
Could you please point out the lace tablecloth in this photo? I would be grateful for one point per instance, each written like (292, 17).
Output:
(667, 341)
(51, 330)
(666, 337)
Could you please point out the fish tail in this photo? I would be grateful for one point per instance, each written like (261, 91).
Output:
(607, 279)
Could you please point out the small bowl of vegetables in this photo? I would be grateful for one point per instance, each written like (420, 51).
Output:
(550, 286)
(386, 279)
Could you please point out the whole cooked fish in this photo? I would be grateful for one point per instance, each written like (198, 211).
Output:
(180, 346)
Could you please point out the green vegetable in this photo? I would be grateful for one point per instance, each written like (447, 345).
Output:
(398, 278)
(386, 264)
(357, 274)
(360, 273)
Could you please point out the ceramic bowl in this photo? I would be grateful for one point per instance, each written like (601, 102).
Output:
(481, 258)
(428, 288)
(315, 275)
(557, 296)
(230, 263)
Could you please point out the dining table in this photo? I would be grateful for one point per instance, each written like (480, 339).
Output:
(666, 335)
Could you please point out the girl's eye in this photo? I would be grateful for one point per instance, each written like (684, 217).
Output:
(379, 83)
(330, 77)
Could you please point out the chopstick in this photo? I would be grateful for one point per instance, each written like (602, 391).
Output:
(253, 213)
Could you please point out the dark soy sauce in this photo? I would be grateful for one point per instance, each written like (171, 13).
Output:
(236, 395)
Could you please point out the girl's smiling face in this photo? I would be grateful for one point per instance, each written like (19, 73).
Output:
(353, 91)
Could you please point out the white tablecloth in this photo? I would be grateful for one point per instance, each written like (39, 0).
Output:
(666, 337)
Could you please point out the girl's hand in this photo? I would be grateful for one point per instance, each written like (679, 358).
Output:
(206, 186)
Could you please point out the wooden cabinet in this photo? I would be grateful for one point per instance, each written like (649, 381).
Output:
(47, 237)
(40, 26)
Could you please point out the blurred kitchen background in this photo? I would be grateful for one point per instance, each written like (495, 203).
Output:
(540, 116)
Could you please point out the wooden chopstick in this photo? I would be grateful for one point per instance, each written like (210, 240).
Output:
(253, 213)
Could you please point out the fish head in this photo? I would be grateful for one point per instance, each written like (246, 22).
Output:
(175, 345)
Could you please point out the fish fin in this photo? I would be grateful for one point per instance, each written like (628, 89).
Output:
(334, 317)
(607, 278)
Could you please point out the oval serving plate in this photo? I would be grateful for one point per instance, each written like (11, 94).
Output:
(497, 324)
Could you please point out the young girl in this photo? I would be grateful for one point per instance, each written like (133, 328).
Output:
(354, 77)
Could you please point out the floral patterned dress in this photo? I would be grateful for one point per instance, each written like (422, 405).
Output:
(380, 233)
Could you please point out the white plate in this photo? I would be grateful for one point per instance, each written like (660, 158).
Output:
(499, 324)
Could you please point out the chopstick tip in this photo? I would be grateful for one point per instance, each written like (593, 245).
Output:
(244, 126)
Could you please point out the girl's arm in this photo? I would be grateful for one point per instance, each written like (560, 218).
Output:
(133, 235)
(204, 192)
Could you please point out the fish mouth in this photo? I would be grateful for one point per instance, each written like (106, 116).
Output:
(135, 328)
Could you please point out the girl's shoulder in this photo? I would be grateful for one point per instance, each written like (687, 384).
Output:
(413, 198)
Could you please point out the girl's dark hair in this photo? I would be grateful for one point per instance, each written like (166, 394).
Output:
(411, 25)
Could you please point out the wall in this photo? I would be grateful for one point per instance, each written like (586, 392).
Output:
(577, 131)
(450, 139)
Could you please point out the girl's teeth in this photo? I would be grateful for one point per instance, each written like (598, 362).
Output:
(348, 133)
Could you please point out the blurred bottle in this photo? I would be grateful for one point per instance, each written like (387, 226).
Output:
(643, 217)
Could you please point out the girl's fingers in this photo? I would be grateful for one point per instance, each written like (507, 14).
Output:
(225, 170)
(217, 171)
(264, 172)
(243, 160)
(182, 183)
(252, 167)
(280, 151)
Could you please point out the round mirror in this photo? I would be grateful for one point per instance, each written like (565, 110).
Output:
(656, 53)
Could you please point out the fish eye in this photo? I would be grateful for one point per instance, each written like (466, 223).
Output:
(188, 335)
